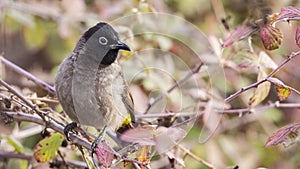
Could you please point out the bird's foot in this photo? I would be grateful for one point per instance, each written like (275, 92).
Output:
(69, 127)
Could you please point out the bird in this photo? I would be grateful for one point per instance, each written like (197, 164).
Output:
(90, 84)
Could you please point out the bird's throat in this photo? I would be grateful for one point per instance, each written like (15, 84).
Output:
(110, 57)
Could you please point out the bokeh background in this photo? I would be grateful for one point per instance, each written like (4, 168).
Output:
(38, 34)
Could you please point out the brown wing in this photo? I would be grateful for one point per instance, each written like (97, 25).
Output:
(128, 101)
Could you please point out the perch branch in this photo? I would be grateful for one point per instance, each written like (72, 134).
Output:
(21, 116)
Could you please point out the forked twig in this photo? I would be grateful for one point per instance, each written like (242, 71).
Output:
(254, 85)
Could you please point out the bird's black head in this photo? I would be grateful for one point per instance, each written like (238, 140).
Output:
(101, 41)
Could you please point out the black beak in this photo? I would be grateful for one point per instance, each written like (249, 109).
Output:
(120, 45)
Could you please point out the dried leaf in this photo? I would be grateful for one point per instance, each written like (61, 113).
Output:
(47, 148)
(283, 135)
(240, 33)
(288, 13)
(283, 91)
(297, 36)
(105, 154)
(261, 91)
(270, 36)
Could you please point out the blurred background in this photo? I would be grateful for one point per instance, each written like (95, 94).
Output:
(38, 34)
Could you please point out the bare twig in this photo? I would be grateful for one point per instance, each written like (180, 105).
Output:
(43, 99)
(188, 152)
(28, 103)
(168, 114)
(254, 85)
(5, 154)
(260, 108)
(174, 86)
(294, 90)
(23, 72)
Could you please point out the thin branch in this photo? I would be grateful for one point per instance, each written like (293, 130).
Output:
(294, 90)
(174, 86)
(260, 108)
(5, 154)
(31, 77)
(32, 106)
(254, 85)
(168, 114)
(188, 152)
(43, 99)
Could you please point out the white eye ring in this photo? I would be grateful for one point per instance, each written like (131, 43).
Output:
(103, 40)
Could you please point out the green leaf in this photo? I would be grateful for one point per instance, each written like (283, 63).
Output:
(18, 146)
(261, 91)
(23, 164)
(47, 148)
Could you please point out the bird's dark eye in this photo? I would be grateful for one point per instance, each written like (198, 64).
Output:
(103, 40)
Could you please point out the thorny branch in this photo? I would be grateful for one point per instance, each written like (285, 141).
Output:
(254, 85)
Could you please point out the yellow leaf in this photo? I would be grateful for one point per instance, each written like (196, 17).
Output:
(261, 92)
(282, 92)
(47, 148)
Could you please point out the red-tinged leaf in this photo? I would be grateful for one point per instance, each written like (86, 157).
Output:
(47, 148)
(271, 37)
(283, 91)
(240, 33)
(261, 91)
(289, 13)
(297, 37)
(283, 135)
(105, 154)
